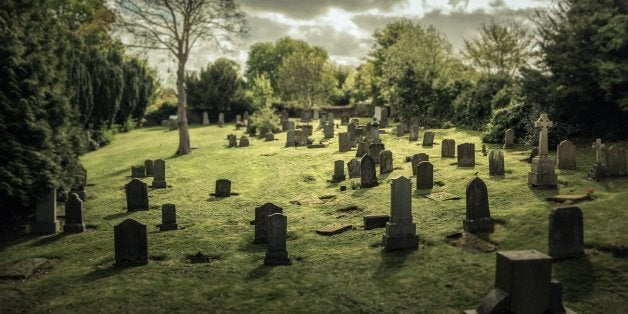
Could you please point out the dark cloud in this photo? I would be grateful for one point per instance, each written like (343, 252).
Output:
(306, 9)
(263, 29)
(337, 43)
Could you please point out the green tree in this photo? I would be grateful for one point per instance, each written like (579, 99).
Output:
(306, 78)
(261, 92)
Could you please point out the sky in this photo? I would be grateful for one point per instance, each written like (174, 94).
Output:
(345, 27)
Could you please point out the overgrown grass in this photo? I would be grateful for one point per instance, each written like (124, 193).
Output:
(346, 272)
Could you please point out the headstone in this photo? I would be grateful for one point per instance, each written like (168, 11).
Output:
(496, 163)
(322, 121)
(375, 221)
(159, 175)
(353, 168)
(533, 153)
(244, 141)
(375, 131)
(414, 133)
(149, 166)
(301, 137)
(330, 118)
(239, 120)
(261, 221)
(416, 159)
(46, 214)
(424, 175)
(509, 138)
(73, 214)
(566, 155)
(478, 217)
(367, 131)
(344, 119)
(263, 131)
(284, 115)
(484, 150)
(339, 171)
(131, 244)
(616, 161)
(269, 137)
(308, 129)
(359, 132)
(333, 229)
(351, 132)
(290, 140)
(383, 122)
(542, 174)
(328, 131)
(221, 119)
(168, 217)
(344, 144)
(245, 116)
(136, 195)
(306, 115)
(466, 155)
(448, 148)
(362, 149)
(565, 232)
(173, 123)
(598, 170)
(205, 118)
(378, 113)
(400, 231)
(138, 172)
(223, 188)
(428, 138)
(368, 176)
(233, 141)
(276, 253)
(285, 125)
(315, 113)
(385, 161)
(355, 121)
(374, 150)
(401, 129)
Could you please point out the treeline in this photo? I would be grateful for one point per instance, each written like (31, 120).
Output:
(64, 84)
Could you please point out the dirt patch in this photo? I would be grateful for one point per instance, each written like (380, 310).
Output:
(469, 242)
(314, 200)
(26, 268)
(309, 178)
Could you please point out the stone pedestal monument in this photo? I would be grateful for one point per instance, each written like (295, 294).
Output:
(542, 174)
(598, 170)
(400, 231)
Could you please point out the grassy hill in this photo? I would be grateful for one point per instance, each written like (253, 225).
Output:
(348, 272)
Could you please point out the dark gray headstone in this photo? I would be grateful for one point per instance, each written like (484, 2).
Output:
(525, 276)
(400, 231)
(353, 168)
(168, 217)
(339, 171)
(309, 129)
(385, 161)
(448, 148)
(478, 216)
(328, 131)
(428, 139)
(46, 214)
(159, 174)
(375, 221)
(496, 163)
(223, 188)
(261, 221)
(566, 232)
(362, 149)
(148, 166)
(138, 172)
(276, 253)
(416, 159)
(368, 175)
(466, 155)
(73, 214)
(136, 195)
(233, 140)
(131, 244)
(509, 138)
(244, 141)
(269, 137)
(351, 132)
(424, 175)
(401, 129)
(566, 155)
(301, 136)
(344, 144)
(383, 122)
(290, 140)
(344, 119)
(374, 150)
(414, 133)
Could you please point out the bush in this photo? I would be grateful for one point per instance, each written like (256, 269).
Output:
(264, 116)
(165, 110)
(513, 117)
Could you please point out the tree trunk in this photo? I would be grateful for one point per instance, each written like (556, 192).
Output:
(182, 116)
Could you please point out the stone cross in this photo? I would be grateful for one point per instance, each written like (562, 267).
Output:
(544, 123)
(598, 146)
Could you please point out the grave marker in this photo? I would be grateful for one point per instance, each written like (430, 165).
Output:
(159, 175)
(496, 163)
(46, 214)
(136, 195)
(428, 139)
(130, 242)
(565, 232)
(276, 253)
(509, 138)
(353, 168)
(168, 217)
(566, 155)
(424, 175)
(223, 188)
(262, 222)
(466, 155)
(374, 150)
(400, 231)
(448, 148)
(385, 161)
(478, 216)
(73, 214)
(339, 171)
(416, 159)
(368, 175)
(542, 174)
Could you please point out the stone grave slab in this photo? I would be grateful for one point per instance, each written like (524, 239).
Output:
(333, 229)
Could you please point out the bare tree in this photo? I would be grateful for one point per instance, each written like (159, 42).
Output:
(178, 26)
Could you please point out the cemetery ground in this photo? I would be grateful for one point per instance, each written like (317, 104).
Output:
(347, 272)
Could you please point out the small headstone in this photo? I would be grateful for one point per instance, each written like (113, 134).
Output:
(233, 140)
(322, 122)
(565, 233)
(138, 172)
(339, 171)
(355, 121)
(375, 221)
(401, 130)
(374, 150)
(223, 188)
(149, 166)
(424, 175)
(466, 155)
(221, 119)
(159, 174)
(328, 131)
(367, 131)
(290, 141)
(368, 175)
(333, 229)
(496, 163)
(344, 119)
(414, 133)
(616, 161)
(428, 139)
(400, 231)
(448, 148)
(245, 116)
(362, 149)
(353, 168)
(330, 118)
(261, 221)
(542, 174)
(73, 214)
(136, 195)
(416, 159)
(173, 124)
(306, 115)
(263, 131)
(244, 141)
(375, 130)
(131, 244)
(205, 118)
(378, 113)
(168, 217)
(566, 155)
(478, 217)
(285, 125)
(276, 253)
(344, 144)
(239, 120)
(509, 138)
(385, 161)
(269, 137)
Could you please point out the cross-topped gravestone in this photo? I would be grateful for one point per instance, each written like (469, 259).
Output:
(276, 253)
(136, 195)
(598, 146)
(159, 174)
(543, 123)
(478, 217)
(46, 214)
(130, 242)
(168, 217)
(598, 170)
(542, 173)
(261, 221)
(400, 230)
(368, 175)
(73, 214)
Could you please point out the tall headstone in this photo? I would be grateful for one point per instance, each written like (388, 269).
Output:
(239, 120)
(328, 130)
(484, 150)
(73, 214)
(244, 141)
(276, 253)
(424, 175)
(149, 166)
(205, 118)
(351, 132)
(616, 161)
(221, 119)
(448, 148)
(478, 217)
(374, 150)
(344, 144)
(168, 217)
(385, 161)
(339, 171)
(509, 138)
(223, 188)
(566, 237)
(414, 133)
(362, 149)
(466, 155)
(383, 122)
(496, 163)
(378, 113)
(428, 139)
(353, 168)
(261, 221)
(368, 175)
(542, 174)
(566, 155)
(46, 214)
(136, 195)
(375, 135)
(598, 170)
(416, 159)
(131, 243)
(290, 140)
(159, 175)
(400, 230)
(315, 113)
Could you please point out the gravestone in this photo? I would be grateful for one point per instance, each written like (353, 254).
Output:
(375, 221)
(285, 125)
(330, 118)
(401, 129)
(344, 119)
(315, 113)
(385, 161)
(542, 174)
(328, 131)
(375, 131)
(416, 159)
(309, 129)
(221, 119)
(136, 195)
(448, 148)
(483, 150)
(414, 133)
(263, 131)
(344, 144)
(223, 188)
(368, 175)
(466, 155)
(339, 171)
(351, 133)
(261, 221)
(245, 116)
(168, 217)
(353, 168)
(322, 121)
(73, 214)
(478, 217)
(509, 138)
(269, 137)
(276, 253)
(496, 163)
(301, 137)
(362, 149)
(359, 132)
(400, 230)
(233, 141)
(306, 115)
(159, 175)
(239, 120)
(566, 155)
(149, 166)
(205, 118)
(290, 141)
(378, 113)
(374, 150)
(138, 172)
(598, 170)
(428, 139)
(172, 123)
(367, 131)
(244, 141)
(131, 243)
(424, 175)
(79, 187)
(616, 161)
(565, 232)
(284, 115)
(46, 214)
(383, 122)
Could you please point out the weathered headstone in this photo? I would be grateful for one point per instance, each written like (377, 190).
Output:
(245, 116)
(598, 170)
(290, 140)
(448, 148)
(509, 138)
(484, 150)
(262, 132)
(368, 175)
(328, 131)
(416, 159)
(315, 113)
(330, 118)
(168, 217)
(355, 121)
(149, 166)
(478, 217)
(367, 131)
(261, 221)
(285, 125)
(344, 144)
(276, 253)
(344, 119)
(322, 121)
(353, 168)
(383, 122)
(138, 172)
(400, 231)
(401, 129)
(375, 221)
(374, 150)
(73, 214)
(616, 161)
(284, 115)
(385, 161)
(205, 118)
(306, 115)
(159, 174)
(375, 131)
(223, 188)
(424, 175)
(428, 139)
(221, 119)
(414, 133)
(239, 120)
(566, 155)
(131, 243)
(351, 132)
(362, 149)
(244, 141)
(136, 195)
(46, 214)
(269, 137)
(339, 171)
(565, 232)
(173, 123)
(542, 174)
(496, 163)
(233, 140)
(309, 129)
(301, 137)
(466, 155)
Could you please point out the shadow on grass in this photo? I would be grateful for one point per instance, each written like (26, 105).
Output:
(391, 263)
(117, 215)
(576, 275)
(9, 240)
(259, 272)
(105, 272)
(49, 239)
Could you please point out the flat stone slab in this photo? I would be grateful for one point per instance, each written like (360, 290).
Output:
(375, 221)
(572, 198)
(469, 242)
(23, 269)
(317, 145)
(333, 229)
(442, 196)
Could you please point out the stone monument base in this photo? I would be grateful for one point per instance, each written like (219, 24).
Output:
(277, 258)
(338, 178)
(159, 184)
(407, 242)
(45, 227)
(73, 227)
(166, 227)
(478, 225)
(542, 174)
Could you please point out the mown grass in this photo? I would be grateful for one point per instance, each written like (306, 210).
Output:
(345, 273)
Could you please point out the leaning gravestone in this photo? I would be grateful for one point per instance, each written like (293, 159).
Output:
(414, 133)
(368, 175)
(424, 175)
(466, 155)
(362, 149)
(261, 221)
(223, 188)
(46, 214)
(136, 195)
(244, 141)
(131, 244)
(496, 163)
(168, 217)
(339, 171)
(428, 139)
(328, 131)
(565, 232)
(416, 159)
(448, 148)
(159, 175)
(374, 150)
(509, 139)
(566, 155)
(344, 144)
(478, 216)
(353, 168)
(149, 166)
(290, 141)
(400, 231)
(73, 214)
(616, 161)
(385, 161)
(542, 174)
(276, 253)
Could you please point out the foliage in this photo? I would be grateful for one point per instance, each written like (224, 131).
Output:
(364, 87)
(261, 92)
(264, 117)
(305, 77)
(162, 112)
(473, 107)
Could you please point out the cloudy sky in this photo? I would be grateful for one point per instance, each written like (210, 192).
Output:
(344, 27)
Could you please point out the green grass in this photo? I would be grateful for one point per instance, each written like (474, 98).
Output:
(345, 273)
